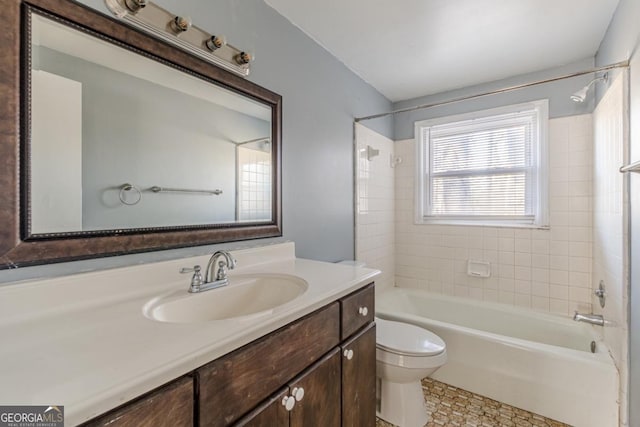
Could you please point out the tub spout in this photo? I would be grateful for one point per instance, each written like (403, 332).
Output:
(594, 319)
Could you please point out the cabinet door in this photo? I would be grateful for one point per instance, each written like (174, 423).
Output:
(359, 379)
(170, 406)
(271, 413)
(320, 405)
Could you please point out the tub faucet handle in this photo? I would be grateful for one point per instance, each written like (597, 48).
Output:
(594, 319)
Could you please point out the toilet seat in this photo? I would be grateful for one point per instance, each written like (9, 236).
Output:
(404, 339)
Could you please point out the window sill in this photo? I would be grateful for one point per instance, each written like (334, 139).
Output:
(481, 223)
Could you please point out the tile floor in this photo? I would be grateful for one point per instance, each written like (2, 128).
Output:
(451, 406)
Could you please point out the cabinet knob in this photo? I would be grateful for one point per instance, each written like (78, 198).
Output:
(348, 354)
(363, 311)
(288, 402)
(298, 393)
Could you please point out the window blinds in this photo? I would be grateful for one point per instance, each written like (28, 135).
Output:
(483, 167)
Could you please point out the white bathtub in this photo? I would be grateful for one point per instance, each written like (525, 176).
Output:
(534, 361)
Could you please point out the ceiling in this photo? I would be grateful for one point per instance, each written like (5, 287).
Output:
(411, 48)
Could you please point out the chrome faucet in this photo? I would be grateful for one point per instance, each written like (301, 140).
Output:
(221, 273)
(200, 284)
(594, 319)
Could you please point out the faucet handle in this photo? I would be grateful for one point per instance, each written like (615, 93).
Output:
(196, 279)
(229, 262)
(232, 262)
(195, 269)
(221, 273)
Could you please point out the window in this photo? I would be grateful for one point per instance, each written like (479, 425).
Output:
(484, 168)
(254, 183)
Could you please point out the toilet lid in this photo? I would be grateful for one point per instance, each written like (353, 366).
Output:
(406, 339)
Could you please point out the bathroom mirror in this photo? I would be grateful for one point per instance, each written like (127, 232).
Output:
(130, 145)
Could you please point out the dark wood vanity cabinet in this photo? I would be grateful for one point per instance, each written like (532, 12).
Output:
(340, 389)
(323, 365)
(315, 395)
(234, 384)
(170, 405)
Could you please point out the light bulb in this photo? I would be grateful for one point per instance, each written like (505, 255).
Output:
(244, 58)
(181, 23)
(135, 5)
(215, 42)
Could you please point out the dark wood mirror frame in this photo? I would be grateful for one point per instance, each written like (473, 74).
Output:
(17, 248)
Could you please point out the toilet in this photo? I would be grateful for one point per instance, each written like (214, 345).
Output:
(404, 355)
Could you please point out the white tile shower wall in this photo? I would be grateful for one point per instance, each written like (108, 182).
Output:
(609, 223)
(375, 212)
(548, 270)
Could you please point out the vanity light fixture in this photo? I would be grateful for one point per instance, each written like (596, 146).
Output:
(179, 31)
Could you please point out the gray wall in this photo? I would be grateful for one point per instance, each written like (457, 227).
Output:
(135, 131)
(557, 92)
(621, 43)
(320, 99)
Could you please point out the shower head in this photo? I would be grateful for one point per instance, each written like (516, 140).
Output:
(581, 95)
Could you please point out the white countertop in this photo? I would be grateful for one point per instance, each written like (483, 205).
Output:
(82, 341)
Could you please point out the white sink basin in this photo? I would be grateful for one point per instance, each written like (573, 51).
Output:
(246, 296)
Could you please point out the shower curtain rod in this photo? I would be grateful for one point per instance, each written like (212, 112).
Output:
(621, 64)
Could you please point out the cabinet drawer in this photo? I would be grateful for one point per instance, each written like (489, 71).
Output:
(234, 384)
(353, 308)
(170, 406)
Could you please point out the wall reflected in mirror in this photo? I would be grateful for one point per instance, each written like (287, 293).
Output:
(110, 126)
